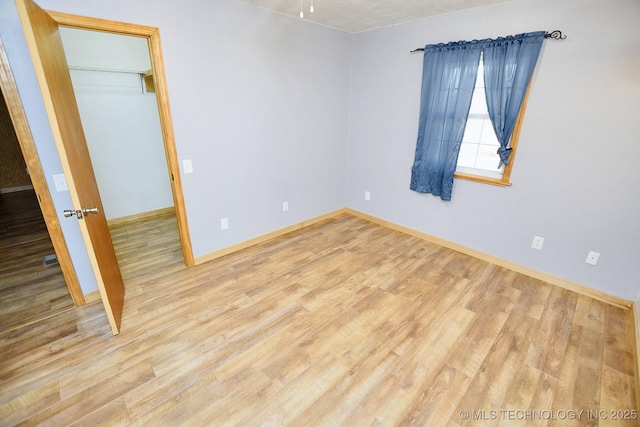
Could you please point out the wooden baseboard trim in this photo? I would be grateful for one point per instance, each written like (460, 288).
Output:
(527, 271)
(142, 216)
(92, 297)
(15, 189)
(260, 239)
(636, 359)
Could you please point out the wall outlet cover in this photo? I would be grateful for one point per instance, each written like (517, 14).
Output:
(592, 258)
(537, 242)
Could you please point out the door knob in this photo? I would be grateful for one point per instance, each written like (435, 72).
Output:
(88, 211)
(80, 213)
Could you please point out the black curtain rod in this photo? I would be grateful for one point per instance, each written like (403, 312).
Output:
(556, 35)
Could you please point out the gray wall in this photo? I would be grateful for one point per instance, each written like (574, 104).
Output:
(274, 109)
(259, 103)
(22, 69)
(575, 177)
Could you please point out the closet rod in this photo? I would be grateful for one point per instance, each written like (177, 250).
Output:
(556, 35)
(106, 70)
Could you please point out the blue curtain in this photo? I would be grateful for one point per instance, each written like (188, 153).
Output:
(448, 80)
(508, 66)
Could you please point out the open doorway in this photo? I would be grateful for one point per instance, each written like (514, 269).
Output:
(157, 76)
(114, 89)
(32, 286)
(56, 88)
(115, 93)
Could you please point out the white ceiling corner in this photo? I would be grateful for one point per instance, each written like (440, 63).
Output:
(355, 16)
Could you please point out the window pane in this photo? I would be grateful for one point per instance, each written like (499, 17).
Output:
(488, 158)
(479, 143)
(467, 155)
(478, 102)
(488, 134)
(473, 131)
(480, 78)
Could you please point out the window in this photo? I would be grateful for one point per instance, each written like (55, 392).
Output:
(478, 159)
(449, 76)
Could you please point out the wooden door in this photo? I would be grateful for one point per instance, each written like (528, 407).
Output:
(45, 45)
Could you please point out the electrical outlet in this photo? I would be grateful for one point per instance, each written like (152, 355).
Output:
(224, 224)
(537, 242)
(592, 258)
(285, 206)
(367, 195)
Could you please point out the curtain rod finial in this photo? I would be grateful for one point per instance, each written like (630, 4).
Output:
(556, 35)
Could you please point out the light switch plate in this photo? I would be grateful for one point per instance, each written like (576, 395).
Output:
(187, 166)
(60, 182)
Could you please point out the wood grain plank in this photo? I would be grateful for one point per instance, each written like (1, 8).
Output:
(489, 387)
(22, 406)
(344, 323)
(548, 347)
(29, 291)
(618, 399)
(618, 337)
(93, 398)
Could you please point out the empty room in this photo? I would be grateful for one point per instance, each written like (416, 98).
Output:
(356, 212)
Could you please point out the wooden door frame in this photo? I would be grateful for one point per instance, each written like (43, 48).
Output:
(152, 34)
(38, 180)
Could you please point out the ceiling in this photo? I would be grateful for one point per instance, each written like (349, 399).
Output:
(355, 16)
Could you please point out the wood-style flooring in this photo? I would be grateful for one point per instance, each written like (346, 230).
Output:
(29, 291)
(342, 323)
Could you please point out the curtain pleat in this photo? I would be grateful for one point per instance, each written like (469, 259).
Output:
(449, 77)
(448, 81)
(508, 67)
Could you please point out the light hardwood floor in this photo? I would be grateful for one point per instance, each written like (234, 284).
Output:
(29, 291)
(341, 323)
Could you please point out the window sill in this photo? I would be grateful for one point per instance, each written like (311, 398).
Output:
(483, 179)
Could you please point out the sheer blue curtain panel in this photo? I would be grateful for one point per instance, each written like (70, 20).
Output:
(449, 76)
(448, 80)
(508, 67)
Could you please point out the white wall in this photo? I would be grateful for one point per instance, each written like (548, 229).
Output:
(575, 177)
(121, 123)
